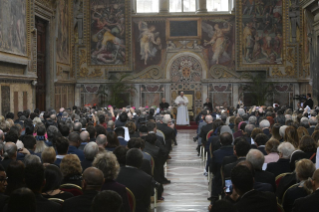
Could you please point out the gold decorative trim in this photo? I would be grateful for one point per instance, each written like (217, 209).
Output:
(152, 72)
(128, 38)
(219, 71)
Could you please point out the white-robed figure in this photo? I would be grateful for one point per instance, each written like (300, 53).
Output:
(182, 112)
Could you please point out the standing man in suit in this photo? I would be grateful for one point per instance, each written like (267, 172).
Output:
(93, 179)
(163, 105)
(309, 102)
(136, 180)
(247, 199)
(309, 203)
(208, 105)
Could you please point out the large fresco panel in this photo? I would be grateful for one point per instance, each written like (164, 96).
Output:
(108, 32)
(219, 41)
(63, 40)
(13, 33)
(261, 32)
(149, 43)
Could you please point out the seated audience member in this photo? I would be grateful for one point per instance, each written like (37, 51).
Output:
(169, 133)
(275, 132)
(309, 203)
(112, 141)
(271, 149)
(307, 149)
(302, 131)
(22, 199)
(246, 198)
(241, 130)
(101, 141)
(71, 170)
(74, 144)
(84, 138)
(139, 144)
(48, 156)
(35, 180)
(261, 140)
(91, 130)
(62, 146)
(100, 130)
(51, 132)
(64, 130)
(15, 175)
(120, 153)
(9, 154)
(265, 126)
(223, 206)
(92, 182)
(30, 144)
(77, 128)
(254, 133)
(29, 160)
(285, 150)
(312, 122)
(120, 132)
(136, 180)
(53, 177)
(291, 136)
(107, 201)
(241, 149)
(256, 158)
(249, 128)
(110, 126)
(40, 139)
(108, 164)
(132, 129)
(90, 151)
(226, 149)
(304, 170)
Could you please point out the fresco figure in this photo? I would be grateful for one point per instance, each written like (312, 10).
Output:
(63, 48)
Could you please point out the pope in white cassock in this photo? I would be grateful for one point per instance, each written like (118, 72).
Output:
(182, 111)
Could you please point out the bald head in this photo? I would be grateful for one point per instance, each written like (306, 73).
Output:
(209, 119)
(93, 179)
(101, 140)
(85, 136)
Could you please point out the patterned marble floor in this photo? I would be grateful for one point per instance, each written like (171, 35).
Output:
(188, 190)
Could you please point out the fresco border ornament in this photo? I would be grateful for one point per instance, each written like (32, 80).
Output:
(127, 66)
(239, 37)
(218, 72)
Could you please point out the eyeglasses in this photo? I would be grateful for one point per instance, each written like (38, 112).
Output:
(2, 180)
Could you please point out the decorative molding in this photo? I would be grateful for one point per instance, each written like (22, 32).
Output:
(219, 71)
(152, 72)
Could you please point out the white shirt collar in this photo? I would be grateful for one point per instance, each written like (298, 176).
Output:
(60, 156)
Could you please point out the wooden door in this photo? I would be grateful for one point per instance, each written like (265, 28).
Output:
(41, 49)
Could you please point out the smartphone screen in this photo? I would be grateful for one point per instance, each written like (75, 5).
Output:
(229, 186)
(301, 104)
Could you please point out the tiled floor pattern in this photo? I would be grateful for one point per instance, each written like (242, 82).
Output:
(188, 190)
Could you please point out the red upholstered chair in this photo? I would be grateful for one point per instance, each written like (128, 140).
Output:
(209, 134)
(72, 188)
(279, 177)
(279, 208)
(131, 199)
(59, 201)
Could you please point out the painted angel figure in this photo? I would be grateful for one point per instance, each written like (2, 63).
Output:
(150, 42)
(218, 41)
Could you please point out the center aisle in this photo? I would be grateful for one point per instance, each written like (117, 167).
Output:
(188, 190)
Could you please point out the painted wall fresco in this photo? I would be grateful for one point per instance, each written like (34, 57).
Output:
(219, 41)
(307, 34)
(13, 35)
(262, 31)
(63, 40)
(150, 43)
(107, 32)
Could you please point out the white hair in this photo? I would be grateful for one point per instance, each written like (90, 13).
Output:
(91, 150)
(167, 118)
(256, 158)
(286, 149)
(264, 124)
(241, 111)
(252, 120)
(288, 117)
(282, 130)
(208, 118)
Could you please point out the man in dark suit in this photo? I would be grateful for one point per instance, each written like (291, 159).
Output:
(74, 143)
(168, 131)
(29, 142)
(261, 140)
(205, 129)
(208, 105)
(309, 203)
(84, 138)
(163, 105)
(257, 159)
(232, 158)
(250, 200)
(226, 149)
(35, 181)
(241, 149)
(136, 180)
(93, 179)
(285, 150)
(312, 122)
(309, 102)
(120, 135)
(62, 146)
(9, 153)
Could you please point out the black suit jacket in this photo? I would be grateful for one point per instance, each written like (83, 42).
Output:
(218, 156)
(139, 183)
(203, 133)
(257, 201)
(44, 205)
(228, 160)
(3, 201)
(311, 130)
(227, 169)
(262, 149)
(309, 203)
(279, 167)
(80, 203)
(309, 102)
(86, 164)
(169, 135)
(265, 177)
(5, 163)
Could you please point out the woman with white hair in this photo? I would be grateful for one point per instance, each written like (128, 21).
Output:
(108, 164)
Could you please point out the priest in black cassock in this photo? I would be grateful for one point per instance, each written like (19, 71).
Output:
(163, 105)
(208, 105)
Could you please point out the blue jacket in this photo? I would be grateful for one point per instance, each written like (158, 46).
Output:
(76, 151)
